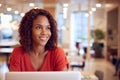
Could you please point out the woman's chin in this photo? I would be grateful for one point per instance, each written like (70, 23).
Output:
(43, 44)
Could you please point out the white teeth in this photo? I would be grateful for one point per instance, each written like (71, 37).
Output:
(43, 38)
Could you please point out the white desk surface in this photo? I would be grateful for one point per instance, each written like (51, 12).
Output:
(75, 59)
(6, 50)
(9, 43)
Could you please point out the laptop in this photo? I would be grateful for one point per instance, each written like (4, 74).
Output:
(57, 75)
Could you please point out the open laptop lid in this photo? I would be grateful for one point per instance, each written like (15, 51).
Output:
(61, 75)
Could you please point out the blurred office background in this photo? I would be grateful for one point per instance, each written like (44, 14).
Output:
(94, 24)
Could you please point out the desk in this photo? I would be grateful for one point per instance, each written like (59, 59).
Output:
(8, 43)
(6, 51)
(88, 75)
(76, 61)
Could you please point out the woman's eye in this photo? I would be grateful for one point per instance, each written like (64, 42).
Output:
(38, 27)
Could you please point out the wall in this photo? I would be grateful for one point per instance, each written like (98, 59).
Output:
(113, 31)
(119, 32)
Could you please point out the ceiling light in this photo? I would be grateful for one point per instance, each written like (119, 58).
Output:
(98, 5)
(0, 5)
(90, 12)
(22, 14)
(9, 9)
(93, 9)
(65, 5)
(31, 4)
(16, 12)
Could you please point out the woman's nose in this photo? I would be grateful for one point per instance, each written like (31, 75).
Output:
(43, 31)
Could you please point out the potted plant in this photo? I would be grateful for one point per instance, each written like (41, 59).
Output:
(98, 46)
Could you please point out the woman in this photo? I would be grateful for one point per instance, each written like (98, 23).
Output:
(38, 39)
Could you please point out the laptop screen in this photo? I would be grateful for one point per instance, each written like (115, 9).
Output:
(58, 75)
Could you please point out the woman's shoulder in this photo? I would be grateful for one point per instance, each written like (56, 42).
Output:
(59, 49)
(18, 50)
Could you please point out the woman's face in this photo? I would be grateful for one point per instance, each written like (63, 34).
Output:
(41, 31)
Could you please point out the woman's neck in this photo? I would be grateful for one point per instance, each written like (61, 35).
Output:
(38, 50)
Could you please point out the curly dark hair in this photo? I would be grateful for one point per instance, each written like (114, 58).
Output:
(25, 29)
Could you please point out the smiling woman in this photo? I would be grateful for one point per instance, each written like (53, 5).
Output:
(41, 26)
(38, 39)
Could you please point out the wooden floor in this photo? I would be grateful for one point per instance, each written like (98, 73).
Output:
(90, 65)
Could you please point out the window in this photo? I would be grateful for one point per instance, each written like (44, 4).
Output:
(79, 26)
(61, 27)
(6, 31)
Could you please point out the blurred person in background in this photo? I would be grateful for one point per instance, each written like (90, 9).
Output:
(80, 51)
(117, 67)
